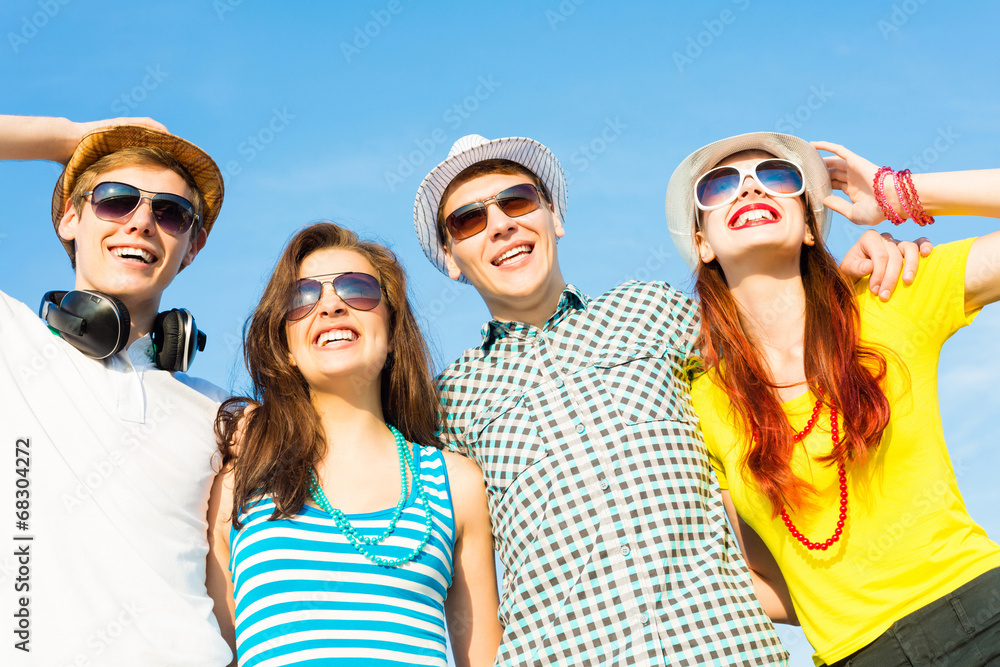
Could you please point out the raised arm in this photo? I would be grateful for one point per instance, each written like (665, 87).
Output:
(941, 194)
(472, 602)
(55, 139)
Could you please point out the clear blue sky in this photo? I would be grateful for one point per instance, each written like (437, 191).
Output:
(338, 110)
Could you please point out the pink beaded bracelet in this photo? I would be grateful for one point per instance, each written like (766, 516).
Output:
(918, 213)
(879, 189)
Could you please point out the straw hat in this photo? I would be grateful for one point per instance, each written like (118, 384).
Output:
(106, 140)
(682, 214)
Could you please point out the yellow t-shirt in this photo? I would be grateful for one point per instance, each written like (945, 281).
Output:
(908, 539)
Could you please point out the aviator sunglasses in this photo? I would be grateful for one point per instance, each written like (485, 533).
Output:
(113, 201)
(360, 291)
(515, 201)
(721, 186)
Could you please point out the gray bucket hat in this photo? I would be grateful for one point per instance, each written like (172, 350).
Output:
(682, 214)
(466, 152)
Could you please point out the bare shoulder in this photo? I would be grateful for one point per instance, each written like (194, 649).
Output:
(464, 475)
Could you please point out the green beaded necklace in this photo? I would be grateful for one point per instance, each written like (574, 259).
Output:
(361, 542)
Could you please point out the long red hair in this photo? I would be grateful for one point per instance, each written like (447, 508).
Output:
(849, 373)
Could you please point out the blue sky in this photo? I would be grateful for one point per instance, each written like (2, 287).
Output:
(338, 110)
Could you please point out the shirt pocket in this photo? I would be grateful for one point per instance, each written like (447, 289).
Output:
(505, 440)
(646, 382)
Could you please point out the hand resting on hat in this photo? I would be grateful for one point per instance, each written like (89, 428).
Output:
(50, 138)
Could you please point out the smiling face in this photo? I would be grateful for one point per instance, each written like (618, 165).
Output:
(512, 263)
(335, 347)
(130, 258)
(756, 227)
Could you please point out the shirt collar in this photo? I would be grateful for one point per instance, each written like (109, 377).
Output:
(570, 301)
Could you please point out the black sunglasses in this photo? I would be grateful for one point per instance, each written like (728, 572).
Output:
(113, 201)
(360, 291)
(515, 201)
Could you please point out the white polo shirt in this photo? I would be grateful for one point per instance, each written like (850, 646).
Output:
(110, 565)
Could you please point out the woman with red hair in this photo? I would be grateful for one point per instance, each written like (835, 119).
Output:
(819, 399)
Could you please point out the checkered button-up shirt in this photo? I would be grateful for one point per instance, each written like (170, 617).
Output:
(605, 511)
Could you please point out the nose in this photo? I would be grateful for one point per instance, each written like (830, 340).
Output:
(142, 219)
(750, 185)
(498, 223)
(330, 302)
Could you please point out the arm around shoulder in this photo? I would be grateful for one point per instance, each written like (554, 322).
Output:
(472, 602)
(218, 577)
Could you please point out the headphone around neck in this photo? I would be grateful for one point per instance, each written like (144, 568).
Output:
(98, 325)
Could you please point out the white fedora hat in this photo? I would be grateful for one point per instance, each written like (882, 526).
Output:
(682, 214)
(466, 152)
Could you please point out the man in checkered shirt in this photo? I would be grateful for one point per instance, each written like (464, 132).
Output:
(606, 515)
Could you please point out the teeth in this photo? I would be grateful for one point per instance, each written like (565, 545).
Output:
(510, 253)
(335, 335)
(134, 253)
(753, 216)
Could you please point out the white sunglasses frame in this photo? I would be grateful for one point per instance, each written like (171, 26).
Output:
(743, 175)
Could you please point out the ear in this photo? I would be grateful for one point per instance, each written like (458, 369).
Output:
(453, 271)
(68, 222)
(705, 251)
(194, 247)
(809, 239)
(557, 225)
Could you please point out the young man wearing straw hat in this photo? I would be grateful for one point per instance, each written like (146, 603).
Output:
(113, 443)
(608, 524)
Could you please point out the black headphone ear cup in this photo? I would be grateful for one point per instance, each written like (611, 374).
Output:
(95, 323)
(174, 340)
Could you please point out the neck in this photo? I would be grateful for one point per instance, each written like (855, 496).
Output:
(351, 422)
(142, 314)
(535, 309)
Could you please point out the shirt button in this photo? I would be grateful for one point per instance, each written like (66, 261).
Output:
(605, 484)
(580, 428)
(625, 552)
(644, 618)
(559, 382)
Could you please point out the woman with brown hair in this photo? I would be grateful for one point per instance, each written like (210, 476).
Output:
(338, 525)
(819, 402)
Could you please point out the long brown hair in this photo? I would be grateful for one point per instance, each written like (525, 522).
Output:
(273, 445)
(848, 373)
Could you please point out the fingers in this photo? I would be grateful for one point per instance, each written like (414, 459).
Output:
(867, 256)
(893, 267)
(838, 205)
(911, 259)
(830, 147)
(925, 246)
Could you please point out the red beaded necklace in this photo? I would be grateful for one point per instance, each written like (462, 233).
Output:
(835, 436)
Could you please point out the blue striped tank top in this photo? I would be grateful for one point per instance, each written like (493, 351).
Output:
(304, 596)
